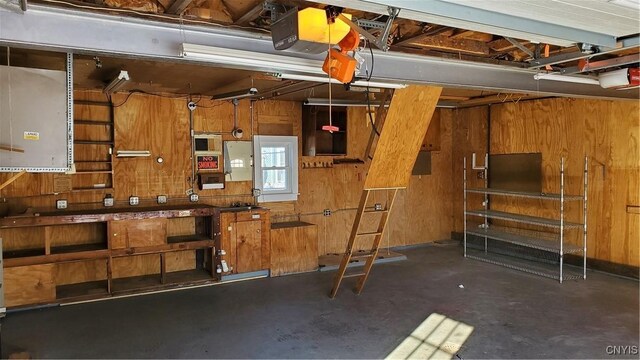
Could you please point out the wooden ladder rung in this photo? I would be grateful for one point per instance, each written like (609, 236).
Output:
(353, 275)
(370, 233)
(376, 211)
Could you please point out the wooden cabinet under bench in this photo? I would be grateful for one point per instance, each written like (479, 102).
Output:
(244, 240)
(77, 255)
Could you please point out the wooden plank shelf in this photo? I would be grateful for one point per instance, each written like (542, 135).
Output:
(525, 194)
(105, 214)
(187, 238)
(90, 172)
(191, 245)
(92, 122)
(91, 103)
(153, 282)
(93, 142)
(56, 258)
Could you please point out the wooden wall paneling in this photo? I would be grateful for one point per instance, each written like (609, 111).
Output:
(180, 260)
(181, 226)
(431, 140)
(78, 234)
(33, 284)
(469, 135)
(426, 203)
(80, 271)
(23, 238)
(358, 131)
(606, 131)
(407, 121)
(294, 248)
(137, 265)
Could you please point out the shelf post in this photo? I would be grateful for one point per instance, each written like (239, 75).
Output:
(561, 213)
(584, 218)
(464, 196)
(486, 196)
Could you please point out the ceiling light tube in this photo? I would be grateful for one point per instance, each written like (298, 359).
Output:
(232, 57)
(565, 78)
(340, 102)
(117, 83)
(236, 94)
(374, 84)
(132, 153)
(357, 103)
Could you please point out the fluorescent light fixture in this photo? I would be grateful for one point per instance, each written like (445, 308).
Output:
(340, 102)
(236, 94)
(630, 4)
(566, 78)
(249, 59)
(132, 153)
(373, 84)
(614, 79)
(356, 103)
(117, 83)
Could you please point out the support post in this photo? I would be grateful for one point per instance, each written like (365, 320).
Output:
(464, 196)
(561, 213)
(584, 218)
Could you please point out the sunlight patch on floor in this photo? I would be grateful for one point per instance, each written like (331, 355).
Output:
(438, 337)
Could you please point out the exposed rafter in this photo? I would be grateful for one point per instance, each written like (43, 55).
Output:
(473, 18)
(178, 6)
(155, 40)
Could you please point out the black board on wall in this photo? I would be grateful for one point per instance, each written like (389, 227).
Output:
(517, 172)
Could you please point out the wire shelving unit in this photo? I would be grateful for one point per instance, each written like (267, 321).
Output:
(554, 243)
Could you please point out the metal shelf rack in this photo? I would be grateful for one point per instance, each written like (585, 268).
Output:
(524, 238)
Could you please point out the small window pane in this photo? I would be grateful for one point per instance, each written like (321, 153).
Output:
(237, 163)
(274, 179)
(274, 156)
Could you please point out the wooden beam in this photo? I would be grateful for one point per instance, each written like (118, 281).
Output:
(251, 14)
(440, 42)
(178, 6)
(12, 179)
(472, 35)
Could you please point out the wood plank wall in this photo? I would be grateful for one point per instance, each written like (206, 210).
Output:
(161, 125)
(608, 132)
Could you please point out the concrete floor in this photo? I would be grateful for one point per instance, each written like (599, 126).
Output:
(513, 314)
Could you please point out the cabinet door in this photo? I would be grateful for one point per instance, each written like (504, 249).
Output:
(248, 246)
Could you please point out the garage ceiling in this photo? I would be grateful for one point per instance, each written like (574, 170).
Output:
(148, 30)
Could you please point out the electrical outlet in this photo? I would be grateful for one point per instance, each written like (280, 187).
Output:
(193, 197)
(162, 199)
(327, 212)
(134, 200)
(61, 204)
(377, 207)
(108, 200)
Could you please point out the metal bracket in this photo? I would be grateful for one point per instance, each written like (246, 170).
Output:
(370, 24)
(381, 41)
(272, 8)
(474, 166)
